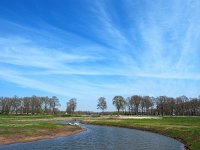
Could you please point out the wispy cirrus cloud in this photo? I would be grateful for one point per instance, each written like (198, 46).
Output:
(139, 47)
(18, 51)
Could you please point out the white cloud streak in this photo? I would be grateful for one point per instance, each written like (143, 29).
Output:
(79, 66)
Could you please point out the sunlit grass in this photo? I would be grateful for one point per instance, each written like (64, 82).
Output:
(19, 127)
(184, 128)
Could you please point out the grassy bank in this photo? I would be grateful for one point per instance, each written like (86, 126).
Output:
(186, 129)
(29, 128)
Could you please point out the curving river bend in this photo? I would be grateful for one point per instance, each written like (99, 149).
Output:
(103, 138)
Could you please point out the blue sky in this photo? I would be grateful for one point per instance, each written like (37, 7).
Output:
(92, 48)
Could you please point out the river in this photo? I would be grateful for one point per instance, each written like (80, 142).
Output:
(103, 138)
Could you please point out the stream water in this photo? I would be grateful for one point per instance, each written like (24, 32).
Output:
(103, 138)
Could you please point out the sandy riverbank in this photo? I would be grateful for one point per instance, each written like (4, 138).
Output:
(130, 117)
(46, 135)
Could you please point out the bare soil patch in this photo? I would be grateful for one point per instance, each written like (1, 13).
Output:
(41, 134)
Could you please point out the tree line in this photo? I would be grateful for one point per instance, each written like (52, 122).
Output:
(146, 105)
(29, 105)
(134, 105)
(34, 105)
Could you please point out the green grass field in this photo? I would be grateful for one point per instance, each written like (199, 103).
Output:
(17, 128)
(185, 128)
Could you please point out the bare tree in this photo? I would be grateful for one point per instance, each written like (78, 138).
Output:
(54, 102)
(119, 103)
(147, 103)
(46, 104)
(102, 104)
(136, 102)
(180, 105)
(129, 104)
(142, 103)
(6, 104)
(71, 105)
(16, 103)
(160, 104)
(27, 104)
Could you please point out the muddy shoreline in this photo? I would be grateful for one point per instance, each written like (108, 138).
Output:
(8, 140)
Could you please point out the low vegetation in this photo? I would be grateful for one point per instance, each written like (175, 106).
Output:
(16, 128)
(186, 129)
(28, 128)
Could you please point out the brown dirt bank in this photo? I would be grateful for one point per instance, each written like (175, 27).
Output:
(40, 134)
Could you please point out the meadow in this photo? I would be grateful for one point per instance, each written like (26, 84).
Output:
(29, 128)
(185, 129)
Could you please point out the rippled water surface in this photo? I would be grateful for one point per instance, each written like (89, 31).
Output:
(103, 138)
